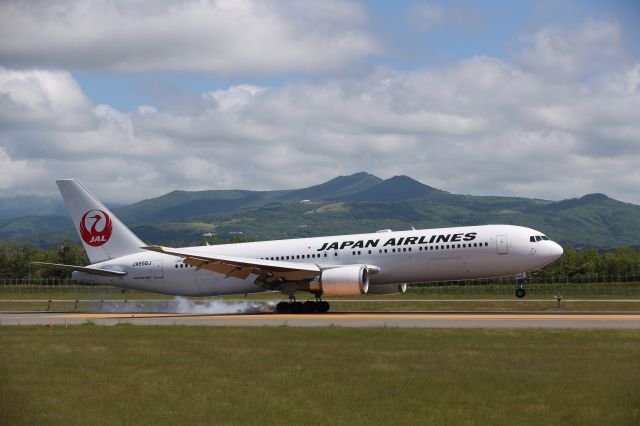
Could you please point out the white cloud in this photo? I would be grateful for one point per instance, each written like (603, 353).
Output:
(235, 97)
(36, 97)
(551, 125)
(428, 16)
(21, 176)
(477, 126)
(248, 36)
(564, 54)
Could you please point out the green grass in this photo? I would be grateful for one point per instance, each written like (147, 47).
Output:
(35, 298)
(74, 292)
(513, 305)
(477, 291)
(227, 376)
(397, 305)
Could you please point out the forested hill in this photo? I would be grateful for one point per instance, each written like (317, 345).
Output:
(348, 204)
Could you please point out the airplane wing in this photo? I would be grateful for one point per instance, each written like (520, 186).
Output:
(242, 267)
(86, 269)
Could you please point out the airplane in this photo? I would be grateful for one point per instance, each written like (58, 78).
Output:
(382, 262)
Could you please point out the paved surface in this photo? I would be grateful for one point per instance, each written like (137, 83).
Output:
(406, 320)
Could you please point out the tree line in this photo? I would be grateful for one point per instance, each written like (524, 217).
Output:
(16, 259)
(589, 261)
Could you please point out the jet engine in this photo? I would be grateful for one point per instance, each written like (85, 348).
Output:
(387, 289)
(343, 281)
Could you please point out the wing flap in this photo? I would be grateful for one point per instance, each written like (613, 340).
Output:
(222, 268)
(242, 267)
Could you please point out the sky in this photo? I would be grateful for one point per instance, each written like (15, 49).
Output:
(136, 98)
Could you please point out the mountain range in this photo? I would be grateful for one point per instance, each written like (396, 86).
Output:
(346, 204)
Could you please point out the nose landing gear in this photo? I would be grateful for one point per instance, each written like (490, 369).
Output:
(521, 279)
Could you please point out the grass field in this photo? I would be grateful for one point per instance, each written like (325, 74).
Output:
(63, 299)
(36, 297)
(227, 376)
(364, 305)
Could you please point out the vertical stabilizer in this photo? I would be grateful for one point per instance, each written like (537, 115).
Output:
(102, 234)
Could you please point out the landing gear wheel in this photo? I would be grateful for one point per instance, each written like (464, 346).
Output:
(310, 307)
(296, 307)
(283, 308)
(520, 293)
(323, 307)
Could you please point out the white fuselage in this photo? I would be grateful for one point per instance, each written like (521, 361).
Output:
(414, 256)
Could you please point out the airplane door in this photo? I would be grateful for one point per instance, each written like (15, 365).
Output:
(501, 242)
(157, 269)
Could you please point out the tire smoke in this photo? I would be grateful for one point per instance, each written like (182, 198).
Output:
(186, 306)
(182, 305)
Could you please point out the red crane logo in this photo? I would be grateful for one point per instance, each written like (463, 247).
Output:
(98, 232)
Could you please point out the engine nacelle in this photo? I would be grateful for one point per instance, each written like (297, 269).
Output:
(344, 281)
(387, 289)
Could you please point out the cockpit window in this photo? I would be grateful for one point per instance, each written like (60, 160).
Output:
(536, 238)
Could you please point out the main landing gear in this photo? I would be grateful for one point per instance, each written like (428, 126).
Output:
(308, 307)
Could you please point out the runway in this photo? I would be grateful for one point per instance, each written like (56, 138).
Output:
(583, 320)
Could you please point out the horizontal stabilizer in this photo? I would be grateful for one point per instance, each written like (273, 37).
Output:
(86, 269)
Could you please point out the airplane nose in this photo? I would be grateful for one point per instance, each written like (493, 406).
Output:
(555, 250)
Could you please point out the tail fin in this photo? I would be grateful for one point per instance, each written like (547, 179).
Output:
(103, 236)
